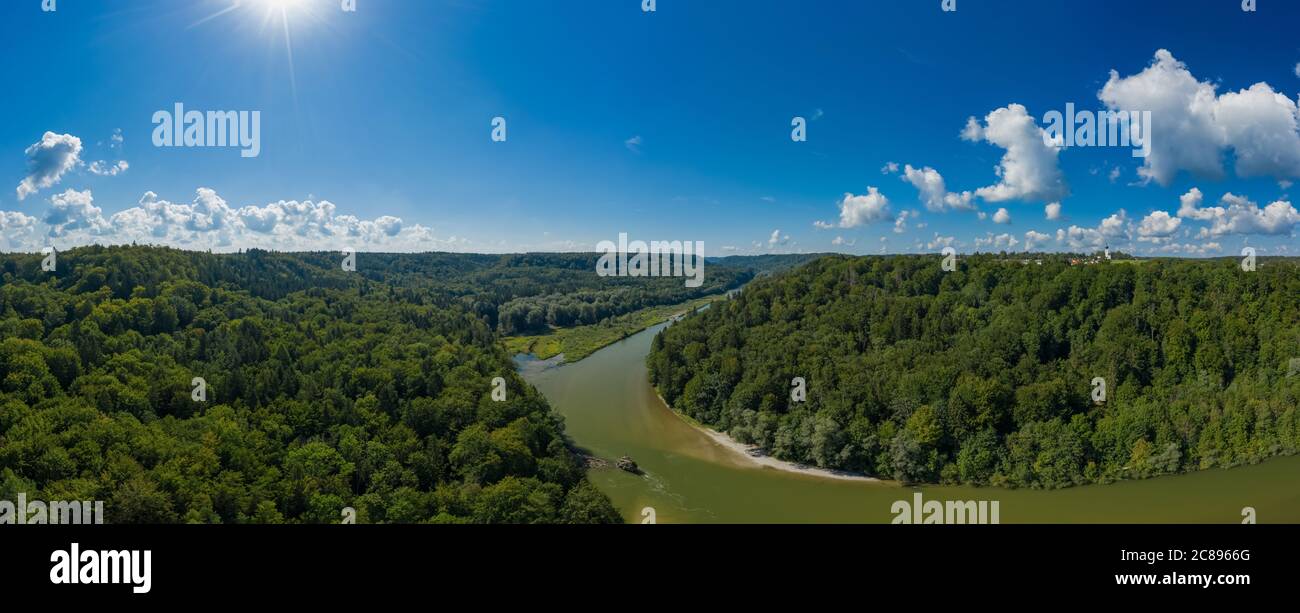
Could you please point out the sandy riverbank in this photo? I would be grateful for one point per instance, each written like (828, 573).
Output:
(753, 455)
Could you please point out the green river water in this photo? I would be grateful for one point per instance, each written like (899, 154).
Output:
(611, 410)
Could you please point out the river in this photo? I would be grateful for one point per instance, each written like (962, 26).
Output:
(611, 410)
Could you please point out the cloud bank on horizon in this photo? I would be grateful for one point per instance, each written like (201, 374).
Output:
(1221, 152)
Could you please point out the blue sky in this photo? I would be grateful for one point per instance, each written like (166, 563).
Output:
(676, 124)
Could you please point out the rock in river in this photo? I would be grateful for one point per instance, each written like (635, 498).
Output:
(626, 463)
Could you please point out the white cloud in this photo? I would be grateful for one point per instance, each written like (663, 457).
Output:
(1261, 126)
(865, 209)
(934, 193)
(1002, 216)
(889, 168)
(17, 230)
(633, 144)
(104, 169)
(839, 241)
(777, 239)
(1000, 242)
(1297, 69)
(1080, 238)
(1115, 226)
(47, 162)
(209, 222)
(1238, 215)
(1192, 126)
(1034, 239)
(900, 223)
(1190, 203)
(1028, 170)
(1191, 249)
(939, 242)
(1052, 211)
(74, 210)
(13, 220)
(111, 169)
(1158, 226)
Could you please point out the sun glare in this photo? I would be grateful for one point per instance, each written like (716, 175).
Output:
(280, 4)
(279, 20)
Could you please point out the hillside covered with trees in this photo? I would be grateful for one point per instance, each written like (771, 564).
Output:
(986, 375)
(323, 389)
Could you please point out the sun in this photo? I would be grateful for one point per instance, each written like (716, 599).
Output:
(278, 8)
(282, 5)
(279, 20)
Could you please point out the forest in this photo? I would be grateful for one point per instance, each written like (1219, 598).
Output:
(320, 388)
(989, 375)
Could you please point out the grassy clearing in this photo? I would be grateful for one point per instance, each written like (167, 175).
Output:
(581, 341)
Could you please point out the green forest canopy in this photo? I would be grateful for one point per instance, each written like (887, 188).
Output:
(325, 389)
(984, 375)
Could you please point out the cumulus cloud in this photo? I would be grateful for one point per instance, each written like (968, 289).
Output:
(777, 239)
(209, 222)
(934, 192)
(1001, 241)
(1113, 228)
(1052, 211)
(889, 168)
(1002, 216)
(1191, 248)
(1193, 126)
(865, 209)
(1238, 215)
(105, 169)
(1158, 227)
(1035, 239)
(1116, 226)
(111, 169)
(1028, 170)
(939, 242)
(1080, 238)
(74, 210)
(1261, 127)
(48, 160)
(900, 224)
(16, 229)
